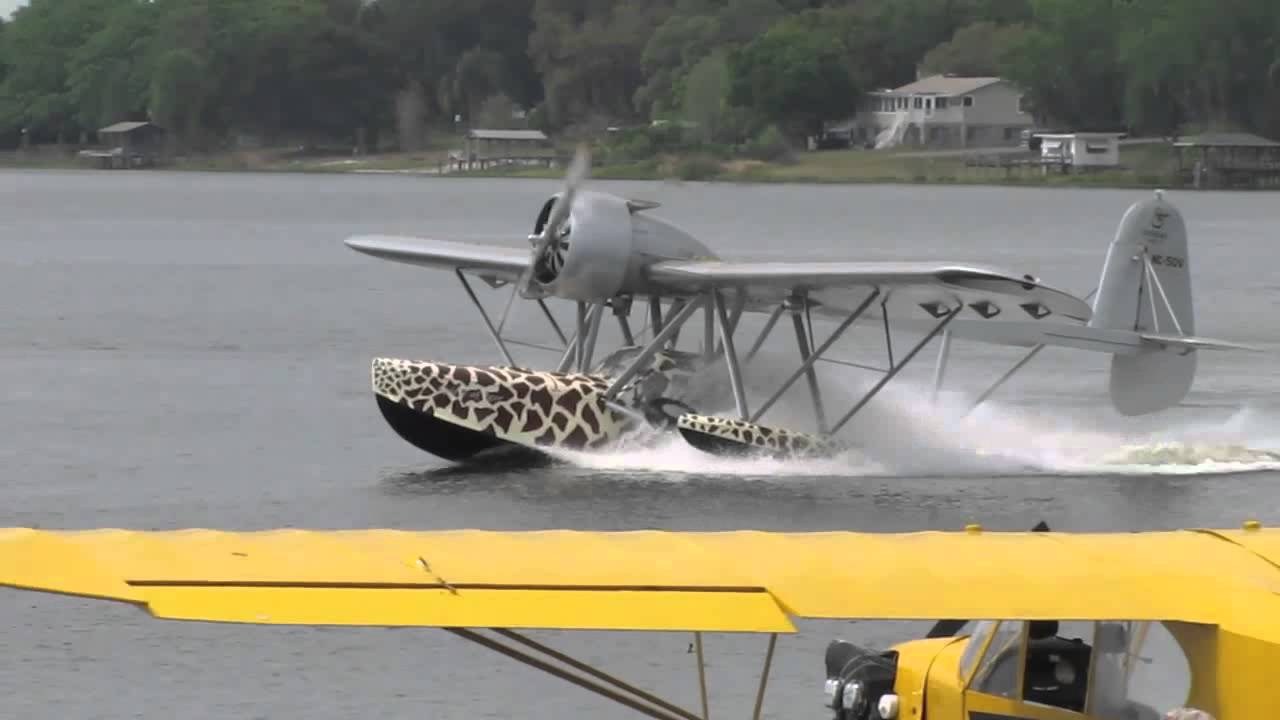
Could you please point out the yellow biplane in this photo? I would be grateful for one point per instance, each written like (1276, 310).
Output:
(1066, 626)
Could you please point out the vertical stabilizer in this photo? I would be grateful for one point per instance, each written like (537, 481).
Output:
(1146, 287)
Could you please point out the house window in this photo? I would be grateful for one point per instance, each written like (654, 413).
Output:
(940, 103)
(1023, 104)
(968, 101)
(919, 102)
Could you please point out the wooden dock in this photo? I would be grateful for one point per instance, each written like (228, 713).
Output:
(1228, 160)
(458, 162)
(1018, 164)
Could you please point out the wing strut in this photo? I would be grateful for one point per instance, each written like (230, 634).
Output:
(552, 319)
(764, 675)
(764, 332)
(1155, 280)
(730, 356)
(1016, 367)
(804, 340)
(1005, 377)
(497, 337)
(888, 336)
(655, 314)
(671, 328)
(813, 358)
(906, 360)
(702, 677)
(639, 700)
(496, 332)
(588, 350)
(940, 370)
(735, 316)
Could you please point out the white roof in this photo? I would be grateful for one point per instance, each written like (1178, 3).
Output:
(123, 126)
(945, 85)
(506, 134)
(1226, 140)
(1088, 135)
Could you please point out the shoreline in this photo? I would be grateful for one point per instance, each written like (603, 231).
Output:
(1141, 168)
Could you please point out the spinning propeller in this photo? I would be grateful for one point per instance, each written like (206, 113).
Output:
(552, 244)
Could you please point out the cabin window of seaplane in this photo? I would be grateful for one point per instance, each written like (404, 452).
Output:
(973, 648)
(1141, 670)
(1056, 667)
(998, 672)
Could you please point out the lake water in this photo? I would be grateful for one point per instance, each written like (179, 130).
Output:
(191, 350)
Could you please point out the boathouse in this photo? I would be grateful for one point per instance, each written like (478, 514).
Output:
(1228, 160)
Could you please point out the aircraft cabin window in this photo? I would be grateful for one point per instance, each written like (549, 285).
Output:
(1159, 672)
(977, 638)
(1141, 668)
(1056, 670)
(998, 673)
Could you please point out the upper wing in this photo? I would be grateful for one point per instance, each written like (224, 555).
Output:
(490, 261)
(651, 580)
(840, 286)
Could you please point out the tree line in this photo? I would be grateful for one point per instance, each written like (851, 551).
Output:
(386, 71)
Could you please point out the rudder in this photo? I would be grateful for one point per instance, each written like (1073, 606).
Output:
(1146, 287)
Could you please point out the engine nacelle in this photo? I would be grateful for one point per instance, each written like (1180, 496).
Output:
(604, 247)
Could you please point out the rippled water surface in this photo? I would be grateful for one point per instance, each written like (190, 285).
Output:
(183, 350)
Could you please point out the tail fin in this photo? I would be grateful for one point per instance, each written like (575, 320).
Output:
(1146, 288)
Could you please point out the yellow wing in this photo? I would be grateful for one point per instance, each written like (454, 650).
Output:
(651, 580)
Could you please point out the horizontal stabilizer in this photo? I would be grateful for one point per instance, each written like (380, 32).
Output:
(1116, 342)
(1181, 342)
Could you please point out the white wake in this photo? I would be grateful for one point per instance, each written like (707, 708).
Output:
(906, 433)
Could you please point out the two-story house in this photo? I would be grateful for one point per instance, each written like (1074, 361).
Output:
(945, 111)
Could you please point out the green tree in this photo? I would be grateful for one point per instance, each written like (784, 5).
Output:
(178, 93)
(979, 49)
(705, 90)
(588, 54)
(1203, 64)
(695, 30)
(1068, 63)
(794, 75)
(109, 76)
(39, 43)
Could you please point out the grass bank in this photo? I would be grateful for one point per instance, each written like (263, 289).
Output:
(1144, 165)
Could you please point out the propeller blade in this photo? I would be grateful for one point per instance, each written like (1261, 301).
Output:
(947, 628)
(579, 169)
(576, 175)
(525, 284)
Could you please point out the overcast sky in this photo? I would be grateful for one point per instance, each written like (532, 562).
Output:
(8, 6)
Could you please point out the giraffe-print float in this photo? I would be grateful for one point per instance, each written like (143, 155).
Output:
(539, 410)
(530, 408)
(748, 437)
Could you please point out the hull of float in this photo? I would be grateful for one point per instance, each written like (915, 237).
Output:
(726, 436)
(458, 411)
(440, 437)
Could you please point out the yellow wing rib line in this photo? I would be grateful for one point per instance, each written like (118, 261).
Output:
(305, 584)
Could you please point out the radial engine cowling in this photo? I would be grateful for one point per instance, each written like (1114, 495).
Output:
(600, 251)
(858, 680)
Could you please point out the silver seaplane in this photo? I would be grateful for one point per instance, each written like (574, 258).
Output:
(609, 255)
